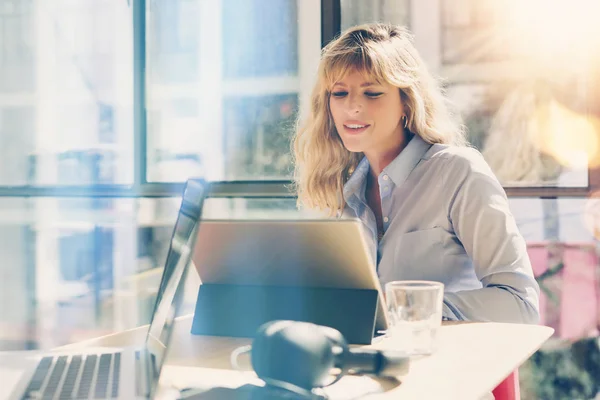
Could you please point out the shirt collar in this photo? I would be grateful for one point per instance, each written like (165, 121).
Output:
(398, 170)
(357, 181)
(404, 163)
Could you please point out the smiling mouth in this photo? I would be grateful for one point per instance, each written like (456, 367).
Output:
(355, 127)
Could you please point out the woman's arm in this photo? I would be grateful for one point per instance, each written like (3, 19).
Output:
(479, 213)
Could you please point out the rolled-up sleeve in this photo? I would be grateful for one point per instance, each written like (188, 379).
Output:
(480, 216)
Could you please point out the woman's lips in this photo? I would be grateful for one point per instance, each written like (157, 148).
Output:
(354, 129)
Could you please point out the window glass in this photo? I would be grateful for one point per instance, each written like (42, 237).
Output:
(523, 76)
(65, 92)
(225, 82)
(80, 268)
(74, 269)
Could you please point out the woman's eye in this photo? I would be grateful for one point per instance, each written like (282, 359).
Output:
(339, 94)
(373, 94)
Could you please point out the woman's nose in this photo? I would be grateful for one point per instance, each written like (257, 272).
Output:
(354, 105)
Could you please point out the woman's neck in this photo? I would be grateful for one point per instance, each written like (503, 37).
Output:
(378, 160)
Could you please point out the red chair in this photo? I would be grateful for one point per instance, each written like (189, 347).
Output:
(509, 388)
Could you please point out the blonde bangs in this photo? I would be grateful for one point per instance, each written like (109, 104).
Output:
(365, 60)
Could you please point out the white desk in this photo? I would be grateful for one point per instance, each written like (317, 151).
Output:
(472, 359)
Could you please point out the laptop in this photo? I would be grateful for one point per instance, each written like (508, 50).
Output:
(114, 373)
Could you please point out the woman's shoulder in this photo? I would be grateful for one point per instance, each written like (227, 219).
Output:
(458, 159)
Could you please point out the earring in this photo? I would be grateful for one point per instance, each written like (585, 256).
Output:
(405, 122)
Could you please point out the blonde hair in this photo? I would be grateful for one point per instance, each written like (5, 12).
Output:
(386, 53)
(514, 147)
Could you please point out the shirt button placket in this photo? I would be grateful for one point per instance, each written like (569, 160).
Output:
(385, 193)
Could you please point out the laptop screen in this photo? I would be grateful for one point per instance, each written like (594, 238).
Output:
(170, 291)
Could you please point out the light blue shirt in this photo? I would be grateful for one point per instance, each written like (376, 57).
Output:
(446, 218)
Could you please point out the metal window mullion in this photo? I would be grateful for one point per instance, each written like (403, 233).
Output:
(547, 192)
(331, 20)
(140, 132)
(224, 189)
(594, 180)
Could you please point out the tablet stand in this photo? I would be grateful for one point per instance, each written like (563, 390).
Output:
(239, 310)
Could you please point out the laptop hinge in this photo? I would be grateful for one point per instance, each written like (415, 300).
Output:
(142, 374)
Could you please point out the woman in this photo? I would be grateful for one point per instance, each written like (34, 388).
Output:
(379, 144)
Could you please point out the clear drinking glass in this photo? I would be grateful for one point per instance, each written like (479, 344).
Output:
(415, 314)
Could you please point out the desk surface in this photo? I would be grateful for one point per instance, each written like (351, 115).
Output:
(472, 358)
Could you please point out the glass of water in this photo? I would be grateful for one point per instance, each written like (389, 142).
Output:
(415, 314)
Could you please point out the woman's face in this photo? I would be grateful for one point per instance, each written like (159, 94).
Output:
(367, 115)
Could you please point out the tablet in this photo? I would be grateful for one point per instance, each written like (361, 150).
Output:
(326, 253)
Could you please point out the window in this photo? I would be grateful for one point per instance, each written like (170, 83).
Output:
(65, 93)
(524, 77)
(82, 245)
(225, 86)
(508, 72)
(518, 81)
(107, 106)
(356, 12)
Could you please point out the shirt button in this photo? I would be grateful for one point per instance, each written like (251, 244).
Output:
(386, 219)
(385, 177)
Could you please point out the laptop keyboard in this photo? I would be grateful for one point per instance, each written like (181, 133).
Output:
(75, 377)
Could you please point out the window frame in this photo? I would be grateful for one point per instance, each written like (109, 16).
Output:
(330, 28)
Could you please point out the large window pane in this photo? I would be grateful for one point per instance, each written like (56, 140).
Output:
(76, 268)
(524, 76)
(73, 269)
(226, 79)
(562, 244)
(65, 92)
(521, 74)
(356, 12)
